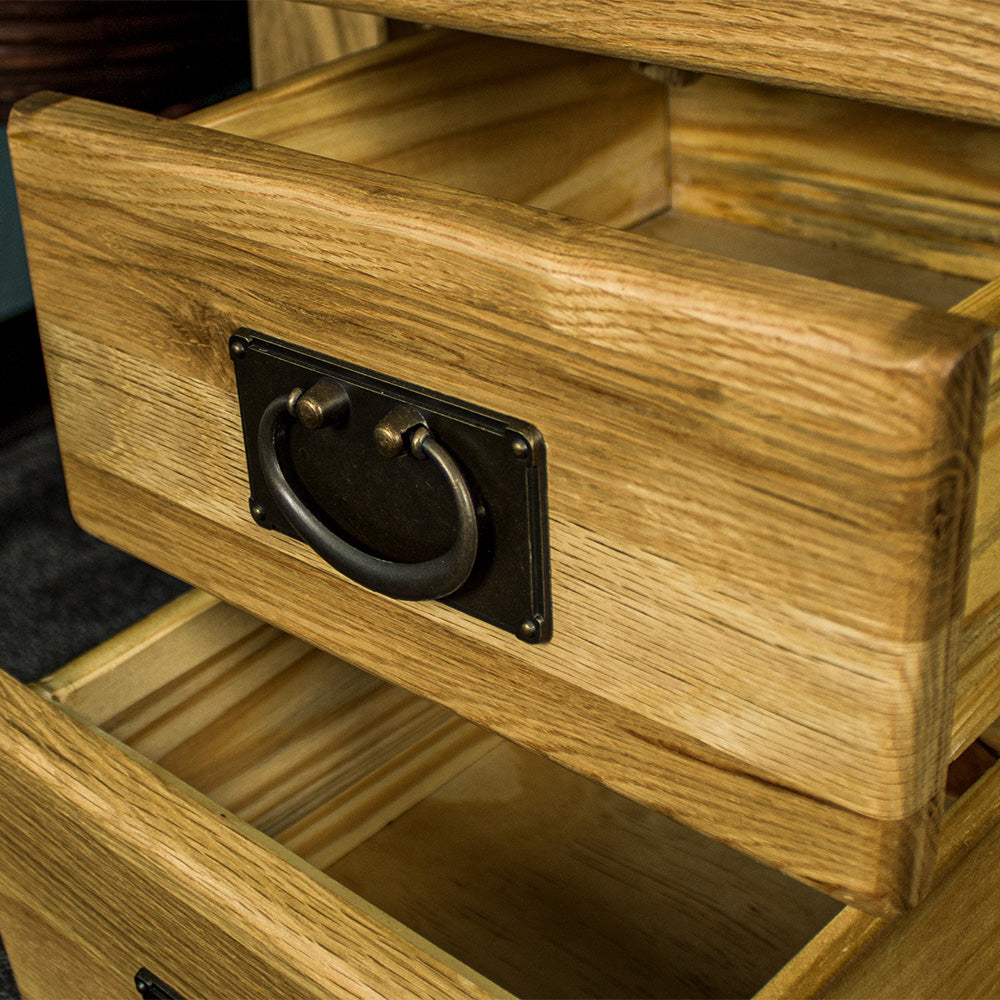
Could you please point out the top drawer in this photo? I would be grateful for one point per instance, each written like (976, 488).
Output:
(760, 485)
(941, 56)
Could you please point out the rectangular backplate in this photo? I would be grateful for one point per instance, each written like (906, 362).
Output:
(398, 508)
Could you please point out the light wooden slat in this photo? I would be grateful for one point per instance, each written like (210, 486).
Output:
(129, 869)
(287, 36)
(791, 466)
(932, 55)
(285, 741)
(305, 747)
(561, 130)
(841, 264)
(991, 737)
(164, 718)
(338, 824)
(192, 629)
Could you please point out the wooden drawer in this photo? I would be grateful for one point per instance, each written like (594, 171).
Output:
(276, 823)
(761, 484)
(932, 55)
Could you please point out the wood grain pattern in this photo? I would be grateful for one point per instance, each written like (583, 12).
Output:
(332, 756)
(844, 265)
(889, 200)
(924, 54)
(194, 628)
(978, 685)
(548, 884)
(306, 748)
(47, 960)
(900, 186)
(287, 36)
(560, 130)
(946, 947)
(133, 870)
(555, 887)
(774, 663)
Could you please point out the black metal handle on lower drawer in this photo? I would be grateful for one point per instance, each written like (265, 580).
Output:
(153, 988)
(400, 432)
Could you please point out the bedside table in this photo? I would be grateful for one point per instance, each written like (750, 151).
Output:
(740, 356)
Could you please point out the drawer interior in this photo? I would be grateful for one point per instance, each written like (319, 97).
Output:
(546, 883)
(878, 198)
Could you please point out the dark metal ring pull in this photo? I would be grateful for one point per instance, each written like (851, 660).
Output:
(421, 581)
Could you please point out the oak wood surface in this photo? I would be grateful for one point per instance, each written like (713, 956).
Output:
(565, 131)
(294, 741)
(978, 684)
(844, 265)
(552, 884)
(944, 948)
(134, 870)
(900, 186)
(306, 748)
(773, 662)
(50, 963)
(547, 883)
(152, 653)
(287, 36)
(556, 887)
(933, 55)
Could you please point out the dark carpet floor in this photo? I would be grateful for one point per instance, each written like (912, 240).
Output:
(61, 591)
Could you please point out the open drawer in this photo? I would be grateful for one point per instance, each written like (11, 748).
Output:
(277, 823)
(761, 484)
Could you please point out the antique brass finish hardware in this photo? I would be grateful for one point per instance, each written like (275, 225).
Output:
(406, 492)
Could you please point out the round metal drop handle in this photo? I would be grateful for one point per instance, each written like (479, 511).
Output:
(421, 581)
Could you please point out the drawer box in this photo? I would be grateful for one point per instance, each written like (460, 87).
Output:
(761, 485)
(245, 816)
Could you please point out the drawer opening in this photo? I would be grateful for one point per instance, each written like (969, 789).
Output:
(877, 198)
(544, 882)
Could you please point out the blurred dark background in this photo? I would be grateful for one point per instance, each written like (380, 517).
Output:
(61, 591)
(163, 56)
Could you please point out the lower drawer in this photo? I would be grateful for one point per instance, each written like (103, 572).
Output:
(245, 816)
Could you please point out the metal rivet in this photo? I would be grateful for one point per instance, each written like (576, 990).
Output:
(393, 435)
(237, 348)
(520, 447)
(257, 512)
(528, 629)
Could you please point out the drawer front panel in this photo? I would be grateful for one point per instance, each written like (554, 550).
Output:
(115, 867)
(760, 485)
